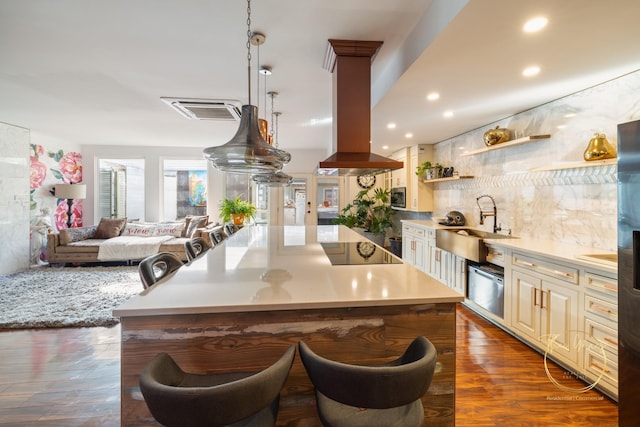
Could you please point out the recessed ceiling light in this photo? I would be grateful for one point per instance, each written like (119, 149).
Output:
(385, 147)
(535, 24)
(531, 71)
(433, 96)
(408, 135)
(448, 114)
(391, 126)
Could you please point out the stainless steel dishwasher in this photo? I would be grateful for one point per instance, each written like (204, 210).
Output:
(486, 287)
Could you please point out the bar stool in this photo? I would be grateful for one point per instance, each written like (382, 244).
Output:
(372, 396)
(179, 399)
(194, 248)
(157, 267)
(216, 235)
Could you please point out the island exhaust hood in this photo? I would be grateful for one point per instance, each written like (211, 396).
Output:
(350, 62)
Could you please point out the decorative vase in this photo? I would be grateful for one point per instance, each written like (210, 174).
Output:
(496, 136)
(599, 148)
(238, 219)
(395, 246)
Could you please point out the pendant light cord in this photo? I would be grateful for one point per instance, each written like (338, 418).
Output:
(249, 49)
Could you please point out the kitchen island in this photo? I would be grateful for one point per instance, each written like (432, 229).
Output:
(245, 301)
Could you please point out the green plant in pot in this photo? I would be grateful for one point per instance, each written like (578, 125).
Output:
(422, 168)
(237, 210)
(371, 211)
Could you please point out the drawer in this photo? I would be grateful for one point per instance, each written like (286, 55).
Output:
(602, 284)
(495, 255)
(600, 335)
(413, 230)
(563, 272)
(601, 308)
(598, 363)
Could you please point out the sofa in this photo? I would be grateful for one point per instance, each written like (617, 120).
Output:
(121, 241)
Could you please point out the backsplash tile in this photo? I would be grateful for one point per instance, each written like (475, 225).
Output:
(577, 206)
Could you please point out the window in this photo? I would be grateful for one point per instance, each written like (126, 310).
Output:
(121, 188)
(185, 188)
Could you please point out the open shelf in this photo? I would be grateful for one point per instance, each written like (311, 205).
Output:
(518, 141)
(575, 165)
(449, 178)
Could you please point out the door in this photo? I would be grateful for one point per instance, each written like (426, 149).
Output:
(294, 202)
(327, 199)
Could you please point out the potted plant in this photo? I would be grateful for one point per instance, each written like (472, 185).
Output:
(237, 209)
(371, 211)
(422, 168)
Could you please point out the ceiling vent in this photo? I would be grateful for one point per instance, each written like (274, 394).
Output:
(205, 109)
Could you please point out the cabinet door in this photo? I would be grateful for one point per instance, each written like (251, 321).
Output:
(419, 253)
(525, 302)
(559, 319)
(407, 248)
(458, 277)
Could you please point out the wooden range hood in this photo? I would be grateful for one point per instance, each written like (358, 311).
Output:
(350, 62)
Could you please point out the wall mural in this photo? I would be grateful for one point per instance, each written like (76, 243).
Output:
(48, 168)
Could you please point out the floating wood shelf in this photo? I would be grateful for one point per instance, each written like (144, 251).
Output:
(449, 178)
(575, 165)
(518, 141)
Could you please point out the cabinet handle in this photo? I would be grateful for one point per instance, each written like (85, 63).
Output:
(600, 368)
(611, 341)
(542, 298)
(562, 273)
(535, 296)
(602, 309)
(528, 264)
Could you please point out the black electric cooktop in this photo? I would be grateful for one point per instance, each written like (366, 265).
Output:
(357, 253)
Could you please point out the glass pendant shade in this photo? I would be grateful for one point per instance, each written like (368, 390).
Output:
(277, 179)
(247, 151)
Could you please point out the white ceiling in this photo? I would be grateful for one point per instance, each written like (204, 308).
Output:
(93, 72)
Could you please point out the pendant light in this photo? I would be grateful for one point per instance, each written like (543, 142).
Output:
(247, 151)
(279, 178)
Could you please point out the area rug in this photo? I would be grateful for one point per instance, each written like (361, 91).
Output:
(47, 297)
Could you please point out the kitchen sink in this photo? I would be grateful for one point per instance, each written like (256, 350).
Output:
(466, 242)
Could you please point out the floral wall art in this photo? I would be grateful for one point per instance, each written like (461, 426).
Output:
(48, 168)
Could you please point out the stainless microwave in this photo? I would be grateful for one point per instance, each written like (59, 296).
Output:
(399, 197)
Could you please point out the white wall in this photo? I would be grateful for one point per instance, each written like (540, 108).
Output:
(14, 199)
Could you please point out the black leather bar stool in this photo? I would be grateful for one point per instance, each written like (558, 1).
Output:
(195, 248)
(179, 399)
(158, 267)
(372, 396)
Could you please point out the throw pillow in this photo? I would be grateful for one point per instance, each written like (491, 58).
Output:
(192, 223)
(137, 229)
(169, 229)
(70, 235)
(108, 228)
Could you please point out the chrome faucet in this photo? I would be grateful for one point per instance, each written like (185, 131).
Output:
(484, 214)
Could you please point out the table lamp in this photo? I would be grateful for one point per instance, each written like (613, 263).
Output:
(70, 192)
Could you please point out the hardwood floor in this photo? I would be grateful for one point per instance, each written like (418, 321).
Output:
(71, 377)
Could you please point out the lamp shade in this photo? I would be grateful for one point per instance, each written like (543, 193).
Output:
(70, 191)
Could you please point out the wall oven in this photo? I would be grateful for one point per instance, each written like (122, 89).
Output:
(486, 287)
(399, 197)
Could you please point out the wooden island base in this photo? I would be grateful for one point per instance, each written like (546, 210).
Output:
(223, 342)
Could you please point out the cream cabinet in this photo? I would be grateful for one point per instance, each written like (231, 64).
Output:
(544, 305)
(601, 329)
(399, 176)
(458, 274)
(419, 193)
(438, 260)
(413, 246)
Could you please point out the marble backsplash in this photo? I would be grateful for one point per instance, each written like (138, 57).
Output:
(577, 206)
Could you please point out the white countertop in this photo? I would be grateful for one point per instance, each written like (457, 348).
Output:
(560, 251)
(285, 268)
